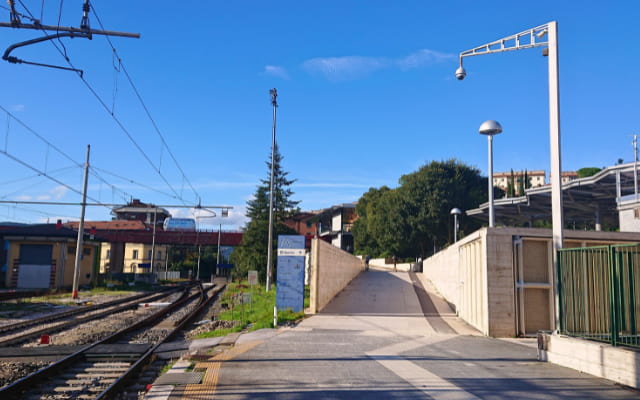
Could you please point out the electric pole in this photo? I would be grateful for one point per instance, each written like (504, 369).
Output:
(80, 241)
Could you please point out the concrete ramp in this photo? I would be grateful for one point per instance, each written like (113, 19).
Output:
(397, 302)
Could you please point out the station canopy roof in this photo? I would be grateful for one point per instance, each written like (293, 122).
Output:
(582, 199)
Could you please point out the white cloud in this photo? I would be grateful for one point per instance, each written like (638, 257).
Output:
(423, 58)
(332, 185)
(354, 67)
(343, 68)
(58, 192)
(276, 71)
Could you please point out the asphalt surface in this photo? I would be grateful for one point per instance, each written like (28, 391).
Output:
(387, 336)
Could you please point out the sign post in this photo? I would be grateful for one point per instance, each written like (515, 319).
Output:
(290, 273)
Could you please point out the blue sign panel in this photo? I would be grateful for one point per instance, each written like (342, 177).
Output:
(290, 273)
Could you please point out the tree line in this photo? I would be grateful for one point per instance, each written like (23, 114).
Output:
(413, 220)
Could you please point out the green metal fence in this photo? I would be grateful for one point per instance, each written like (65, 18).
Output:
(599, 292)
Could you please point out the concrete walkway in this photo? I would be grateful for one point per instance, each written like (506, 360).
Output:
(388, 337)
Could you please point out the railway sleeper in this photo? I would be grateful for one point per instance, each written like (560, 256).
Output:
(109, 375)
(78, 389)
(93, 380)
(99, 369)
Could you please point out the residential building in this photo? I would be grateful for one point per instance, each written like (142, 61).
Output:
(136, 210)
(336, 224)
(501, 179)
(136, 257)
(568, 176)
(304, 223)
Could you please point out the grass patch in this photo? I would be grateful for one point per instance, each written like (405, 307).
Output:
(219, 332)
(252, 308)
(167, 367)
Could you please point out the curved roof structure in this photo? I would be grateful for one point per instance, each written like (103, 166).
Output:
(583, 199)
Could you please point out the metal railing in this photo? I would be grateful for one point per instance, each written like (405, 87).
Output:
(599, 292)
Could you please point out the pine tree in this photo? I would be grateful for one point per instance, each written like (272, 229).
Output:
(511, 185)
(521, 183)
(252, 253)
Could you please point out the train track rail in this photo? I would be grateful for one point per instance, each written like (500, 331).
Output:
(22, 294)
(102, 369)
(26, 330)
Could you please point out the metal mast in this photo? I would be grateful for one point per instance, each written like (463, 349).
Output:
(274, 95)
(80, 244)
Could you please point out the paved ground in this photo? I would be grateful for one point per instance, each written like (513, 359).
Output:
(387, 337)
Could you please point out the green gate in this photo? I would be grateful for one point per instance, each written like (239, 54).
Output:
(599, 293)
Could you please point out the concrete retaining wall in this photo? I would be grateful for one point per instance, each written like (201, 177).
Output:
(614, 363)
(480, 275)
(331, 271)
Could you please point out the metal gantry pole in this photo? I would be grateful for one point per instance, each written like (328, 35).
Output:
(511, 43)
(80, 240)
(153, 239)
(218, 253)
(556, 165)
(274, 95)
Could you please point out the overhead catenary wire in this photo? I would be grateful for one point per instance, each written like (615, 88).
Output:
(54, 147)
(123, 127)
(144, 105)
(43, 173)
(129, 180)
(22, 189)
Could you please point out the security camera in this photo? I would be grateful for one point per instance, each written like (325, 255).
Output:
(461, 73)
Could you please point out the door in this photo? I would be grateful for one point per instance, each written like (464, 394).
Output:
(36, 269)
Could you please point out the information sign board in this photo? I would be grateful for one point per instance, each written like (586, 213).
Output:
(253, 278)
(290, 272)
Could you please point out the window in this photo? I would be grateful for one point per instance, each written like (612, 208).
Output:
(71, 250)
(108, 253)
(149, 255)
(86, 251)
(159, 255)
(135, 255)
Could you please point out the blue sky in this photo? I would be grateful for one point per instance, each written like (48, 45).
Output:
(367, 93)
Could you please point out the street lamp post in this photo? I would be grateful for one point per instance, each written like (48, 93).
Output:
(490, 128)
(524, 40)
(455, 212)
(274, 103)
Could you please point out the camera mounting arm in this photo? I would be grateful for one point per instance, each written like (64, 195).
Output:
(524, 40)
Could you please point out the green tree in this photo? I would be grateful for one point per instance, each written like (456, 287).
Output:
(511, 187)
(521, 183)
(367, 208)
(587, 171)
(252, 252)
(409, 220)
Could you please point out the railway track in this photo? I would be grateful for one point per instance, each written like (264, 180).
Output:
(22, 294)
(26, 330)
(102, 369)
